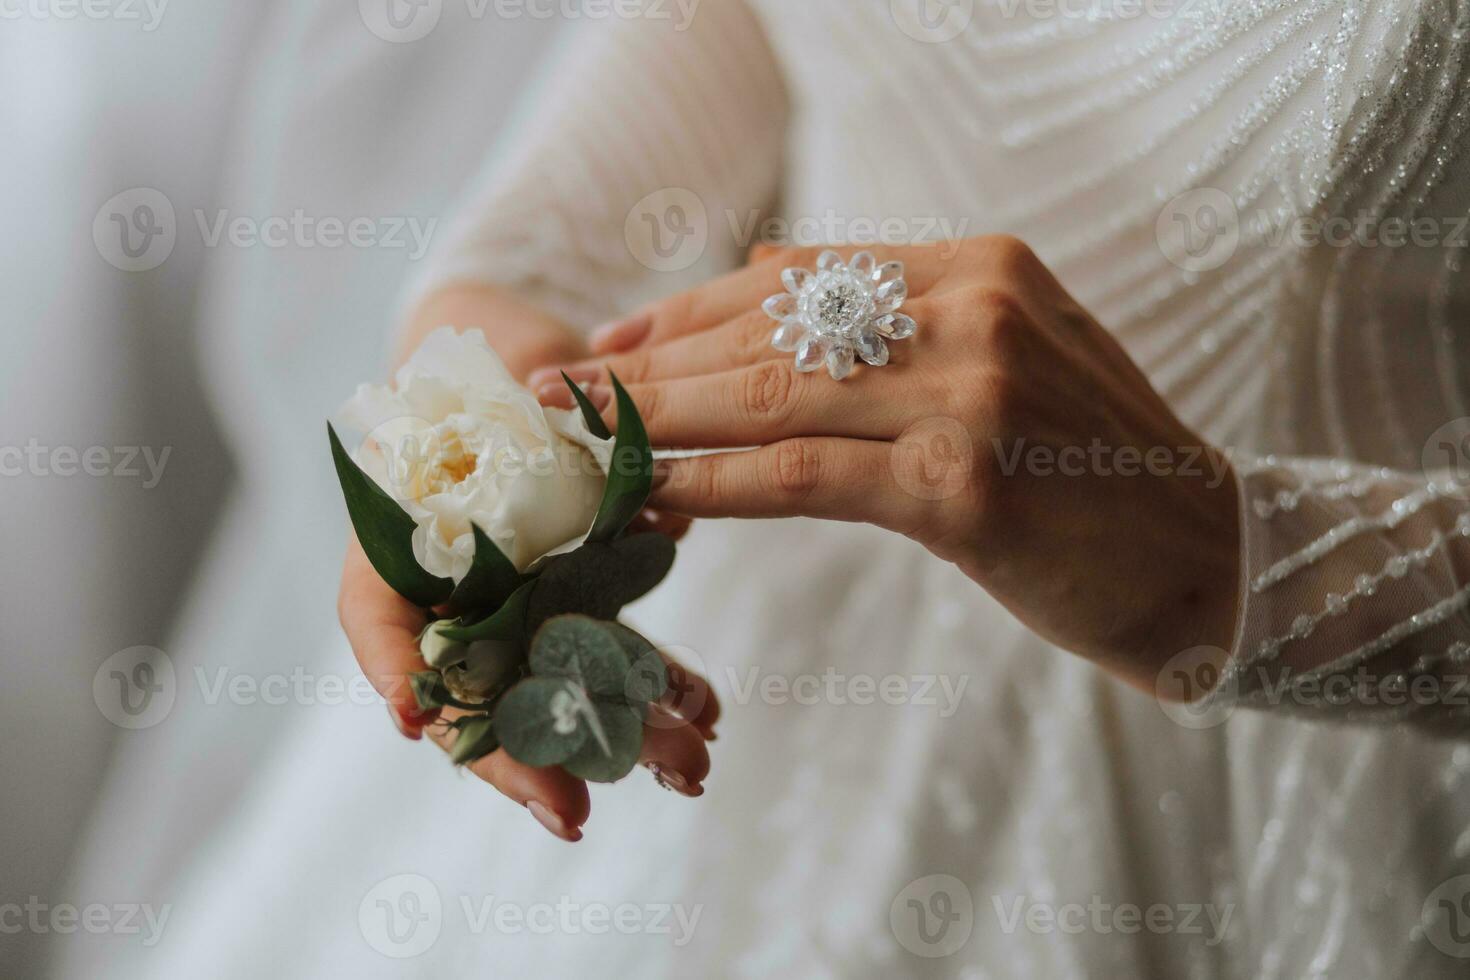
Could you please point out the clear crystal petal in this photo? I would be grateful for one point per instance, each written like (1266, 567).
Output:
(788, 335)
(863, 264)
(890, 296)
(810, 353)
(899, 327)
(780, 306)
(839, 361)
(887, 272)
(795, 280)
(872, 349)
(828, 261)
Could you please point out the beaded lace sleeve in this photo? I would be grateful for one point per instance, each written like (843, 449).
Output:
(615, 187)
(1355, 588)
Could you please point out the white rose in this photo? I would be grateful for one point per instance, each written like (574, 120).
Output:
(458, 442)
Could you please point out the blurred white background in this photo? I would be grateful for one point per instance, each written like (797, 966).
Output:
(264, 109)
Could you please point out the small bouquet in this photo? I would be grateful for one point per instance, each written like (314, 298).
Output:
(509, 522)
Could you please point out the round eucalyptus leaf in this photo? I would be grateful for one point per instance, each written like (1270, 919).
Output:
(610, 759)
(582, 650)
(543, 721)
(647, 677)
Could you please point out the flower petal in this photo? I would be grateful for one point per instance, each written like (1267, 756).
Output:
(780, 306)
(891, 296)
(839, 361)
(788, 335)
(828, 261)
(887, 272)
(872, 349)
(795, 280)
(863, 264)
(897, 326)
(810, 353)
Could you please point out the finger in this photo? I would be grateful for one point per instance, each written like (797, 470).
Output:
(558, 800)
(763, 403)
(690, 697)
(833, 479)
(744, 340)
(675, 751)
(744, 290)
(383, 629)
(620, 335)
(674, 526)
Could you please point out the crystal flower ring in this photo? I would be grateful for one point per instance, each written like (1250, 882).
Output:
(841, 312)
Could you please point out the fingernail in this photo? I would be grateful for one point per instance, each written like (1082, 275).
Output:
(661, 470)
(583, 375)
(552, 822)
(413, 732)
(600, 396)
(554, 396)
(672, 779)
(620, 335)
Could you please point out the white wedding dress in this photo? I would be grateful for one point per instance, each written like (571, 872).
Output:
(1284, 836)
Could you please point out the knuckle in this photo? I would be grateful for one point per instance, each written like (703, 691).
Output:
(767, 390)
(796, 468)
(1009, 253)
(752, 337)
(631, 368)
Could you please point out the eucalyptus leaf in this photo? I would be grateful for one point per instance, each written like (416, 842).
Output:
(631, 474)
(583, 650)
(508, 623)
(542, 721)
(491, 578)
(593, 418)
(623, 727)
(477, 739)
(385, 531)
(599, 579)
(648, 675)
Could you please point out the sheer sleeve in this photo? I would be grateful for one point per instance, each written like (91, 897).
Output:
(616, 185)
(1354, 592)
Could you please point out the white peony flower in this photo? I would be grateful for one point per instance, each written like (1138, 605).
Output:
(458, 442)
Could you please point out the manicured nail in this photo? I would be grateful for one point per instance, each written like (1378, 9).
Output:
(554, 823)
(413, 732)
(554, 396)
(583, 375)
(601, 396)
(620, 335)
(672, 779)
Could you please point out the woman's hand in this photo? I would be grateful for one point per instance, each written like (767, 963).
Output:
(1011, 435)
(383, 627)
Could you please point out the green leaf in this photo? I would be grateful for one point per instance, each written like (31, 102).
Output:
(590, 415)
(507, 623)
(477, 739)
(529, 717)
(430, 691)
(622, 727)
(600, 579)
(583, 650)
(648, 677)
(631, 476)
(385, 532)
(491, 578)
